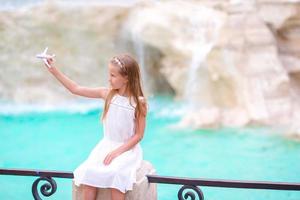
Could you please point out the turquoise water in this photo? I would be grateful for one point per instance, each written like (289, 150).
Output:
(61, 140)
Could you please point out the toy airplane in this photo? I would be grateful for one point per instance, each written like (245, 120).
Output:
(44, 56)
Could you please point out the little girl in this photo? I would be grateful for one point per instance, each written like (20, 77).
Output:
(114, 160)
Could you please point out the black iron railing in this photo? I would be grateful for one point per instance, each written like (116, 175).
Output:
(47, 189)
(190, 186)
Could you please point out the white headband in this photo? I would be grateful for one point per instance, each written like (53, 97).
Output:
(118, 62)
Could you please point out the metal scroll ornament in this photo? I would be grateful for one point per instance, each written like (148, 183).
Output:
(46, 189)
(190, 193)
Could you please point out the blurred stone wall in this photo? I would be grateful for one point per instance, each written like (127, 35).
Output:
(249, 63)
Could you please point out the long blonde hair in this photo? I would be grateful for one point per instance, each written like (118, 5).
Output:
(130, 68)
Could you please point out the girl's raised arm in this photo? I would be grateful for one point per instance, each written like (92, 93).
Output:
(74, 88)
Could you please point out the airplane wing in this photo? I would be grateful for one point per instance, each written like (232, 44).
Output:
(45, 51)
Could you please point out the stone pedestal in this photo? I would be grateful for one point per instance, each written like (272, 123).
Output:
(142, 190)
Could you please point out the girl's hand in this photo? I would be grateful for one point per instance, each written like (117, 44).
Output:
(50, 62)
(109, 158)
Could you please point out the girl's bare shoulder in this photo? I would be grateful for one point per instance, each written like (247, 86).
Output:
(144, 103)
(142, 99)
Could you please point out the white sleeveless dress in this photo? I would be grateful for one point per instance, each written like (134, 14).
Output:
(119, 126)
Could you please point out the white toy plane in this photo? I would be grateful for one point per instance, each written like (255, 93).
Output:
(44, 56)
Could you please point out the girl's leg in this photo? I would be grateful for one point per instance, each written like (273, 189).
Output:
(117, 194)
(89, 192)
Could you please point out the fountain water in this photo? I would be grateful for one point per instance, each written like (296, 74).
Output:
(205, 32)
(140, 52)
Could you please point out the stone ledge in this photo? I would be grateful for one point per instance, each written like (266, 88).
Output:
(142, 190)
